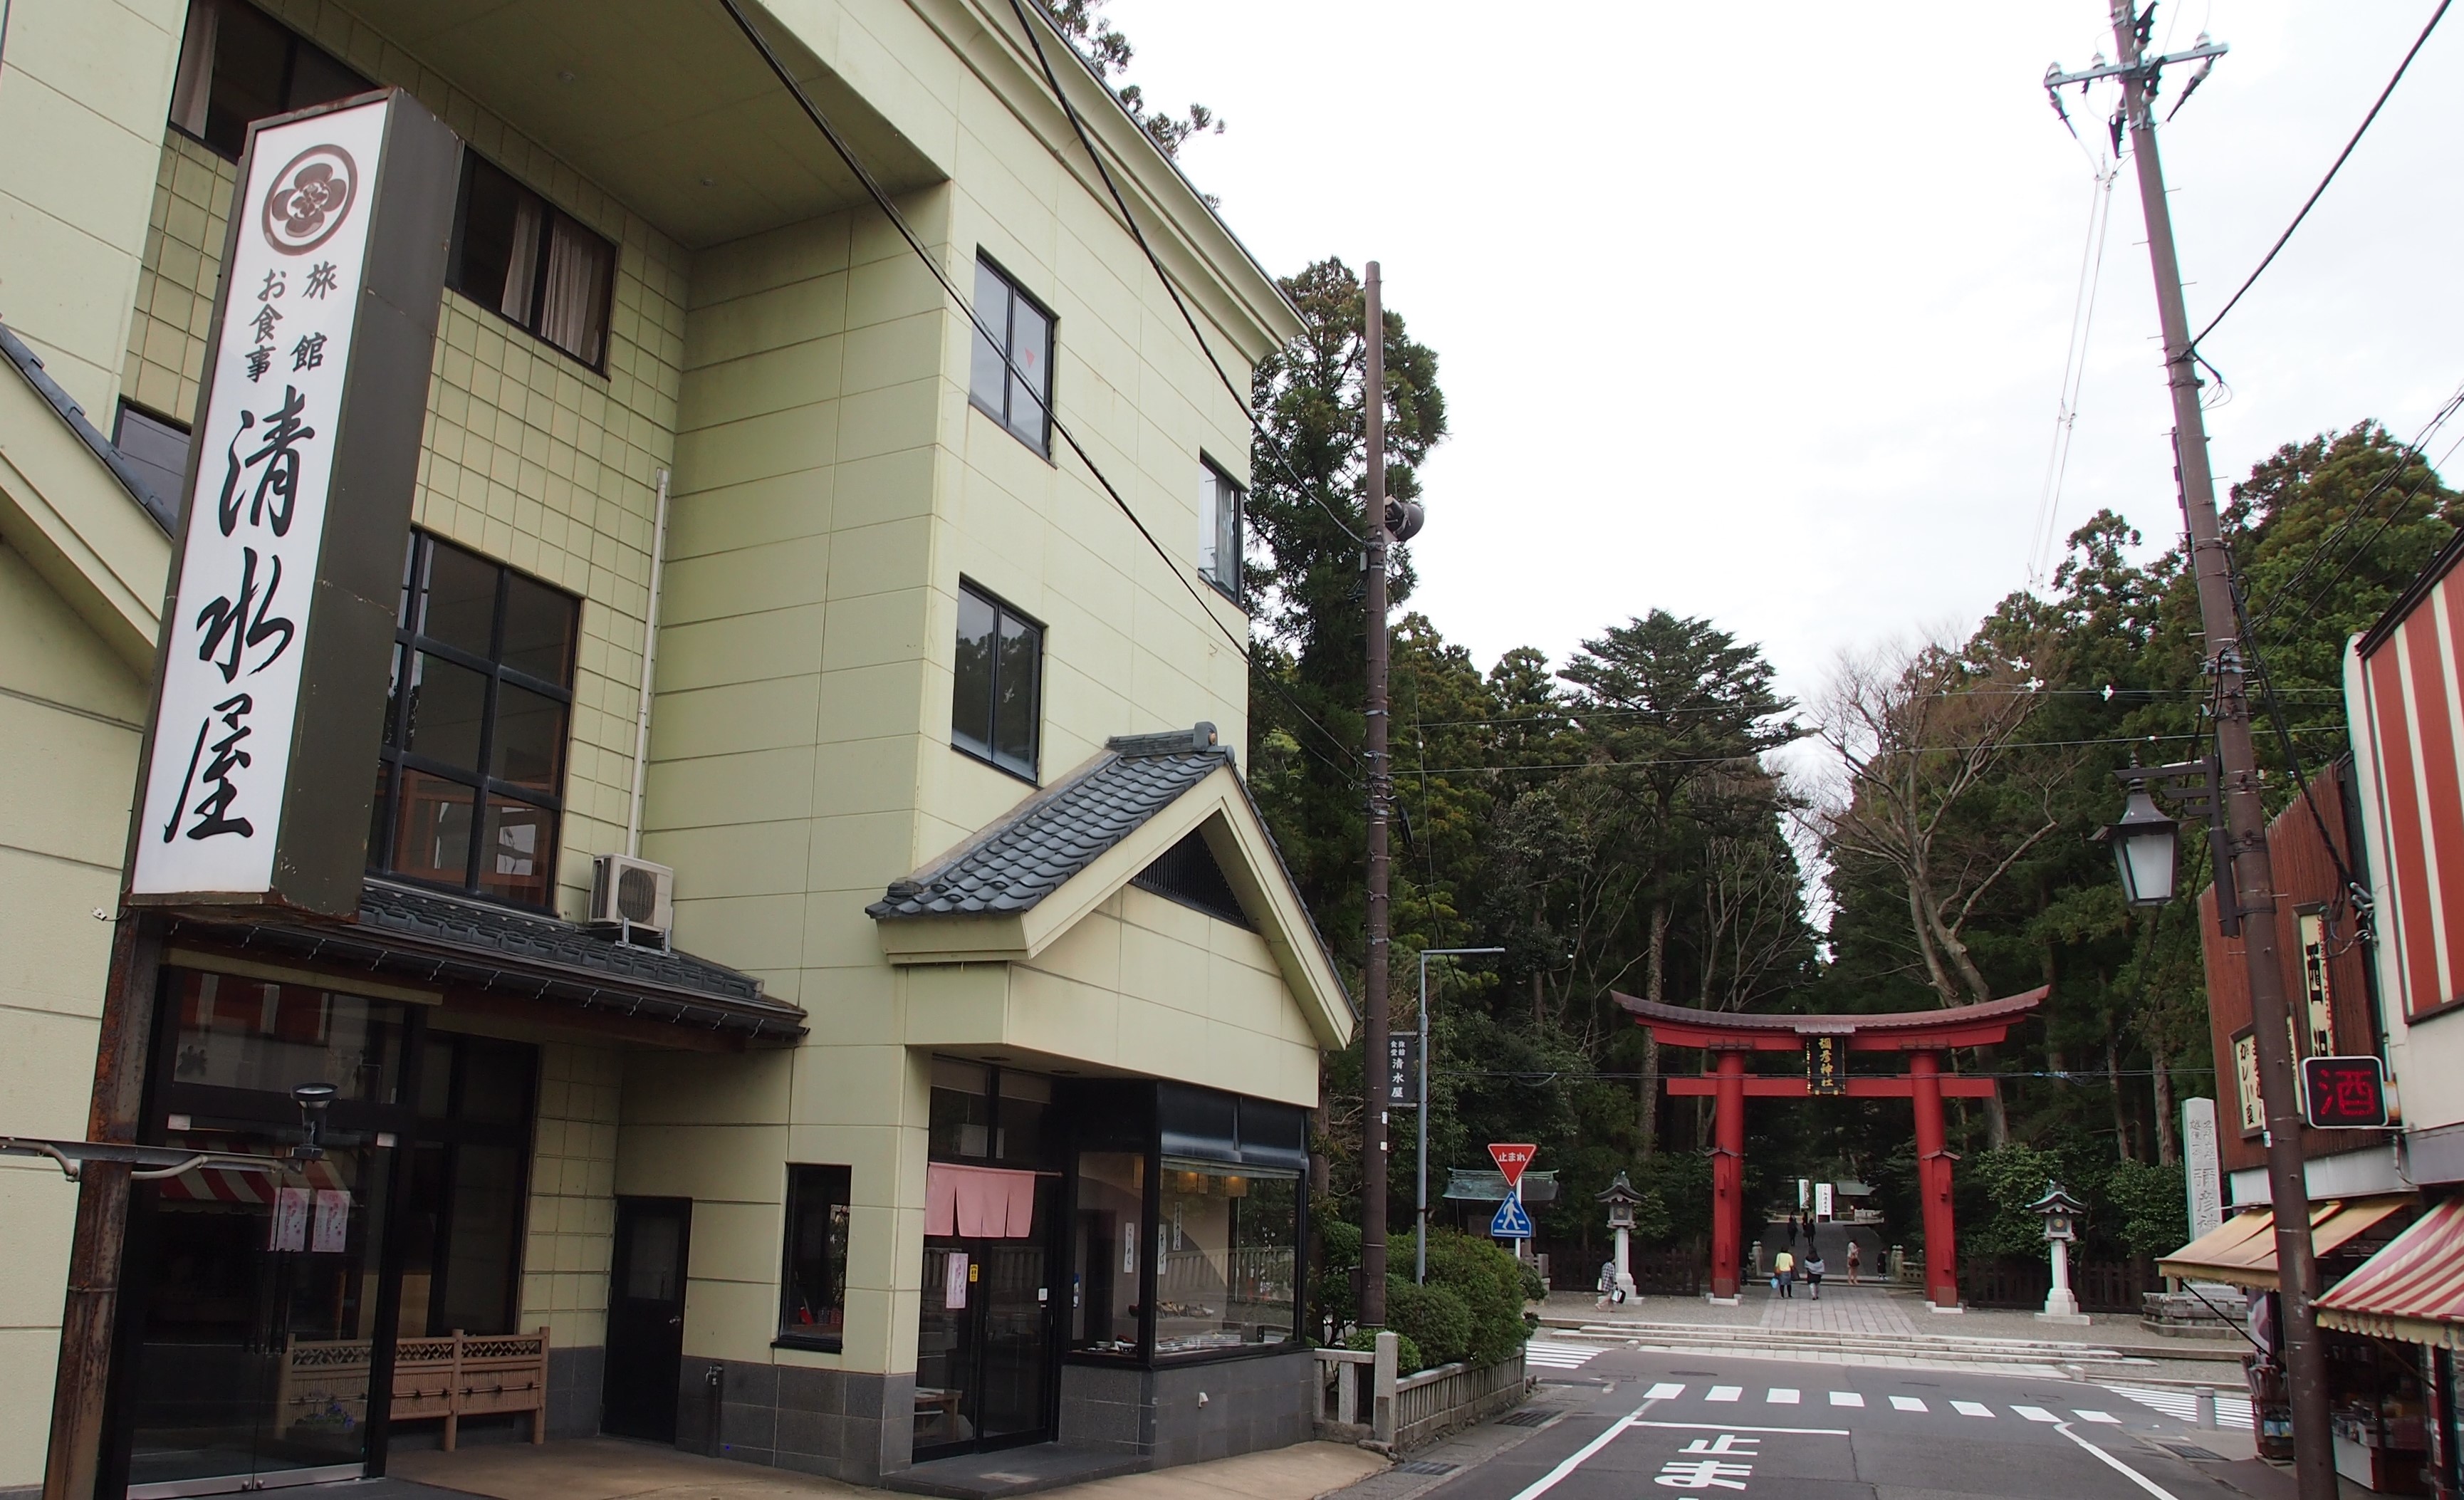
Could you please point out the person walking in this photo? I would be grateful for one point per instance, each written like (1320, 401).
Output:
(1813, 1269)
(1853, 1258)
(1784, 1273)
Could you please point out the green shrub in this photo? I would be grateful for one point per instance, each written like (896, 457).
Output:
(1535, 1287)
(1491, 1288)
(1407, 1353)
(1339, 1246)
(1432, 1316)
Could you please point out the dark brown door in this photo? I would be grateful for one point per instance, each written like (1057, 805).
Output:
(645, 1317)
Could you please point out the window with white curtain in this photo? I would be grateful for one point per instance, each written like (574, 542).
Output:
(531, 263)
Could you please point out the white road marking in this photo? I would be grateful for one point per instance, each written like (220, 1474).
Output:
(2036, 1414)
(1907, 1403)
(1730, 1426)
(1663, 1392)
(2233, 1407)
(1549, 1481)
(1846, 1398)
(1724, 1393)
(1780, 1395)
(2084, 1415)
(2117, 1464)
(1559, 1357)
(1971, 1408)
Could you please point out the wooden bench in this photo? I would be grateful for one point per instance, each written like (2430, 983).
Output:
(460, 1375)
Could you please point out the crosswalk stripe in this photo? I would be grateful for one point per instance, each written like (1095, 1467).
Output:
(1907, 1403)
(1663, 1392)
(2036, 1414)
(1846, 1398)
(1724, 1393)
(1971, 1409)
(1780, 1395)
(2233, 1407)
(1559, 1357)
(2084, 1415)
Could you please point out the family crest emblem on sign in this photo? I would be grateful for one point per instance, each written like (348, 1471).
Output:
(310, 199)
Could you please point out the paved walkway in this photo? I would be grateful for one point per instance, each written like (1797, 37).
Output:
(610, 1469)
(1841, 1310)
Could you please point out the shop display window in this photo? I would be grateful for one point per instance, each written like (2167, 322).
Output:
(1226, 1257)
(1109, 1253)
(812, 1311)
(245, 1033)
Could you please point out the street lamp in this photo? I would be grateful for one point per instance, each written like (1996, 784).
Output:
(1421, 1219)
(2143, 844)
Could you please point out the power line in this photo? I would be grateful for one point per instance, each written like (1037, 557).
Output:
(2100, 216)
(2319, 596)
(1079, 127)
(2332, 169)
(898, 221)
(2318, 550)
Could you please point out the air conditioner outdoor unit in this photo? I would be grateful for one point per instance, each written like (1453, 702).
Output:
(633, 895)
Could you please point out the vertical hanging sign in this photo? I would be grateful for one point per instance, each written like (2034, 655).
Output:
(259, 769)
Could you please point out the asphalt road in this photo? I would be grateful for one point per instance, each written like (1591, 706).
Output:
(1644, 1424)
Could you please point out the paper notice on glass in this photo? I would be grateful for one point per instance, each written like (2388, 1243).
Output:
(954, 1280)
(1129, 1249)
(332, 1232)
(289, 1229)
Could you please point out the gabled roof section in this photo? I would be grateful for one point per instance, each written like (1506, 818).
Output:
(80, 515)
(1011, 891)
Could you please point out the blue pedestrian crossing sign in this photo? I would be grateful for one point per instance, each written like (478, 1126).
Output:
(1510, 1222)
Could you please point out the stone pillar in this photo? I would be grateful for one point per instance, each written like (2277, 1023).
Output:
(2061, 1306)
(1933, 1183)
(1728, 1175)
(1624, 1267)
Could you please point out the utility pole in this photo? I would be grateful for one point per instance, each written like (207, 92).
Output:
(1373, 1126)
(2254, 881)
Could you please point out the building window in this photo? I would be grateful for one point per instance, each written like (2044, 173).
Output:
(1187, 872)
(996, 702)
(1020, 401)
(467, 1186)
(470, 779)
(157, 449)
(1227, 1256)
(1109, 1239)
(812, 1305)
(992, 1115)
(238, 65)
(530, 263)
(1219, 529)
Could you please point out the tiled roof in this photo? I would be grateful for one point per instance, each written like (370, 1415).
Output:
(1033, 851)
(164, 513)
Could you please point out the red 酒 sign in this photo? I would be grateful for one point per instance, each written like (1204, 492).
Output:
(2345, 1093)
(1511, 1159)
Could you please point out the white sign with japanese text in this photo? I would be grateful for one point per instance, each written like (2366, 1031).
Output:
(214, 787)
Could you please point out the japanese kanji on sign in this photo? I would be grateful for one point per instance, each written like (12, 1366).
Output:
(257, 781)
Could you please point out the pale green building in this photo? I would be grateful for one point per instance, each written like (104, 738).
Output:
(949, 1088)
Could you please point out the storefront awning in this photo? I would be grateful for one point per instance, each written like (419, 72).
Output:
(2412, 1291)
(2241, 1251)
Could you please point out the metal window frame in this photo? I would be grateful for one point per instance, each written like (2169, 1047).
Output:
(1003, 609)
(1015, 293)
(551, 216)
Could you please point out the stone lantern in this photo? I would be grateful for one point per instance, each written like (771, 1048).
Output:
(1620, 1199)
(2061, 1214)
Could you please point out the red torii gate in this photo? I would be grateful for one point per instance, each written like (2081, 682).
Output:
(1922, 1036)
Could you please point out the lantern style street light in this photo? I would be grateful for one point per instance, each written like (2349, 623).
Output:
(2061, 1213)
(2143, 846)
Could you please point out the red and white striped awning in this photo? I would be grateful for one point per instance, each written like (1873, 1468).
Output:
(222, 1185)
(2412, 1291)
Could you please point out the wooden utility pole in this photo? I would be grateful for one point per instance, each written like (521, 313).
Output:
(2254, 881)
(1373, 1127)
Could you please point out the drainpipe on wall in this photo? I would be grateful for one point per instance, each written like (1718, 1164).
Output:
(650, 659)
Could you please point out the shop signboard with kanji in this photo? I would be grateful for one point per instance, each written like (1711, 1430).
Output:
(2345, 1093)
(258, 775)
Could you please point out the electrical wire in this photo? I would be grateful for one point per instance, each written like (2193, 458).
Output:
(2338, 164)
(2318, 550)
(881, 199)
(1131, 221)
(2100, 216)
(2395, 513)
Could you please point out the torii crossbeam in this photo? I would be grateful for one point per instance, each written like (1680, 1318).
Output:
(1921, 1036)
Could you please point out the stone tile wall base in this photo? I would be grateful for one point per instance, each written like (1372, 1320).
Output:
(843, 1424)
(1247, 1405)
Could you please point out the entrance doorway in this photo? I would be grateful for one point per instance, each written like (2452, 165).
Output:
(645, 1317)
(983, 1348)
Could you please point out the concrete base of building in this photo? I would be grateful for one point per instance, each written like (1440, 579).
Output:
(841, 1424)
(1187, 1413)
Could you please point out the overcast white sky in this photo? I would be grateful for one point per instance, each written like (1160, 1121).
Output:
(1766, 322)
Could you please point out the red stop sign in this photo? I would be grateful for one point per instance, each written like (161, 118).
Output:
(1511, 1159)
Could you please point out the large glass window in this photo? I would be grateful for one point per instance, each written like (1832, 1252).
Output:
(530, 263)
(987, 1115)
(812, 1305)
(996, 702)
(462, 1254)
(1226, 1258)
(469, 781)
(237, 65)
(1109, 1248)
(256, 1034)
(1017, 392)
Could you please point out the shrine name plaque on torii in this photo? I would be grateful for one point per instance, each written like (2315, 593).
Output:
(1920, 1037)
